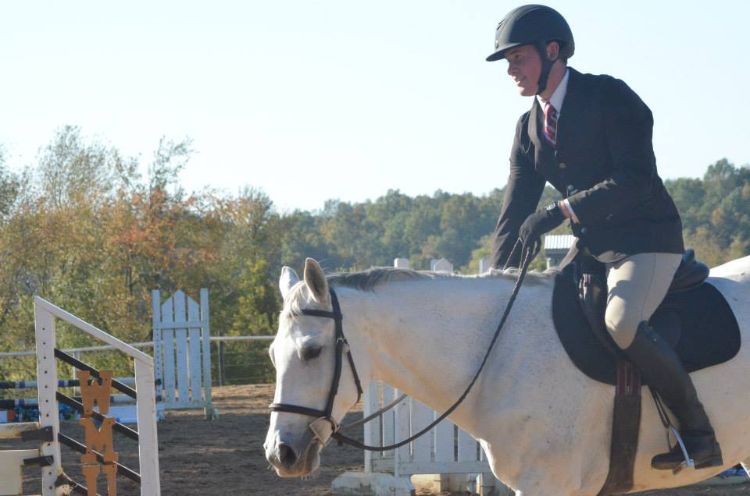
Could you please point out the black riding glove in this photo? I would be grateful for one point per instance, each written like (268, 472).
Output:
(539, 223)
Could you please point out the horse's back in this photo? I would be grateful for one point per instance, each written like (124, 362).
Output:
(732, 279)
(737, 270)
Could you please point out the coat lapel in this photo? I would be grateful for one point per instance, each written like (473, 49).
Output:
(572, 111)
(534, 124)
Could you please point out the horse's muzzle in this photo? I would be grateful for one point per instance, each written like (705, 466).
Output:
(291, 462)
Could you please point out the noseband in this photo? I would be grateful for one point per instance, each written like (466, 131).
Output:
(342, 346)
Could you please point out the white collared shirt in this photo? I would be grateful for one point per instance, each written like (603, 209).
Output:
(558, 96)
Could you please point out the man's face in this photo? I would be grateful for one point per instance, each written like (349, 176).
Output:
(525, 67)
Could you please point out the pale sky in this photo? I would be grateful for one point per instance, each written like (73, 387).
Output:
(315, 100)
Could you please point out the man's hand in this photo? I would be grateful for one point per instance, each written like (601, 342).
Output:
(539, 223)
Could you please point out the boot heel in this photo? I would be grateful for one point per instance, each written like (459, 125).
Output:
(715, 461)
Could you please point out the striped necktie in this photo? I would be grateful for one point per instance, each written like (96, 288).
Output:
(550, 123)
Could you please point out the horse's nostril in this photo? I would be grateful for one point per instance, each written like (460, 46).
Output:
(286, 455)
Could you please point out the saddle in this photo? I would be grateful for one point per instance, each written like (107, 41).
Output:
(694, 318)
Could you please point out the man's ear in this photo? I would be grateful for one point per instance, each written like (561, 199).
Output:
(553, 51)
(316, 281)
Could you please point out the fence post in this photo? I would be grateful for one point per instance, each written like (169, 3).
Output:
(220, 358)
(156, 337)
(146, 409)
(205, 338)
(46, 373)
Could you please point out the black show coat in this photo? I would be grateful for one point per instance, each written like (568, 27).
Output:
(603, 163)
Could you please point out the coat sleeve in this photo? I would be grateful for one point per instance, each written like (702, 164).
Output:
(628, 126)
(522, 194)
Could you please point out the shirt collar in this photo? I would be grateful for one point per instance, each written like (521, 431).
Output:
(558, 96)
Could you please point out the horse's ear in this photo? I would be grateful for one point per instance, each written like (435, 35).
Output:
(316, 281)
(287, 279)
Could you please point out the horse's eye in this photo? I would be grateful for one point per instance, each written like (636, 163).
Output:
(309, 352)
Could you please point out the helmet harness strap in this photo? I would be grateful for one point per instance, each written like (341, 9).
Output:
(547, 64)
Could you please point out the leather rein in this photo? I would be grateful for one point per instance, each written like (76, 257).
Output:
(342, 346)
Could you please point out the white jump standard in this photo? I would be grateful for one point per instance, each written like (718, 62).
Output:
(45, 314)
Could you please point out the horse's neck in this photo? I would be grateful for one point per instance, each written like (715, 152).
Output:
(427, 338)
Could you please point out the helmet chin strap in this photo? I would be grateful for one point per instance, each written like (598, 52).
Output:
(546, 67)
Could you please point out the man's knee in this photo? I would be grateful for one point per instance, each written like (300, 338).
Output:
(622, 326)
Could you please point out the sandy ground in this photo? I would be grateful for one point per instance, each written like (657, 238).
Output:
(225, 456)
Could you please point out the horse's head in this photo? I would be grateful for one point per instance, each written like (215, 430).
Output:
(310, 400)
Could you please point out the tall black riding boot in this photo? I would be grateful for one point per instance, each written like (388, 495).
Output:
(663, 370)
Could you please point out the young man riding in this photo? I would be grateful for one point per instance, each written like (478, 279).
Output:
(590, 137)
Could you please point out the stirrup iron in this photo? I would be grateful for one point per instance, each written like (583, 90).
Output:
(689, 462)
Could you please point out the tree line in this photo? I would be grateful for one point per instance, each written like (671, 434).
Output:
(84, 229)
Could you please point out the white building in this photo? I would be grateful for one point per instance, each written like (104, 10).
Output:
(556, 246)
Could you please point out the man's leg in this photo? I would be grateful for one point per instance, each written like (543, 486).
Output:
(637, 285)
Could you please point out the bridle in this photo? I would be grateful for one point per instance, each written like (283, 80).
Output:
(324, 417)
(342, 347)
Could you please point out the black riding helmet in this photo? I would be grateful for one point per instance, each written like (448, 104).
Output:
(534, 25)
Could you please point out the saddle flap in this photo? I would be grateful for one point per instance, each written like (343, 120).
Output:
(697, 322)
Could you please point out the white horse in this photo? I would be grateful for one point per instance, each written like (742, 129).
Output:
(544, 426)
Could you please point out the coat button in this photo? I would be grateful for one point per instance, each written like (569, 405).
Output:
(584, 231)
(563, 165)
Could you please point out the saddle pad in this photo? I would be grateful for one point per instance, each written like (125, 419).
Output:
(706, 330)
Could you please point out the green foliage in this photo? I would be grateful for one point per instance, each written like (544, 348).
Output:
(83, 229)
(715, 211)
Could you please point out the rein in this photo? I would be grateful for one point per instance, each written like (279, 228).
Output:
(530, 252)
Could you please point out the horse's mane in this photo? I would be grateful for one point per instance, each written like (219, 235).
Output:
(368, 280)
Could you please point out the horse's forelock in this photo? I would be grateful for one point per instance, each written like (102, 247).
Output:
(299, 298)
(295, 299)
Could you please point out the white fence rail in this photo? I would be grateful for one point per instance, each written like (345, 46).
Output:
(445, 449)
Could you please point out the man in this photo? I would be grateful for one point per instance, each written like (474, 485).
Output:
(590, 137)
